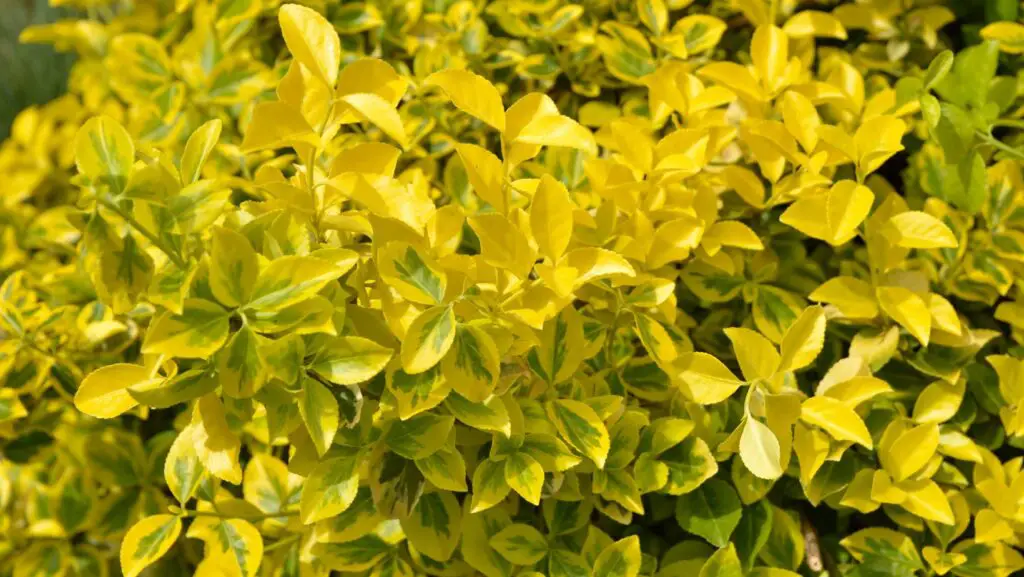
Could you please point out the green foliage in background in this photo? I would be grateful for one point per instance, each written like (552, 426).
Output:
(29, 74)
(519, 288)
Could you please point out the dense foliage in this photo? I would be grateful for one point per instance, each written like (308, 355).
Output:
(672, 288)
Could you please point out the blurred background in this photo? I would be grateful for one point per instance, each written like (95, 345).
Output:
(29, 74)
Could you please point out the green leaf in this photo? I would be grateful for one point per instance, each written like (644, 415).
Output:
(428, 339)
(712, 511)
(419, 436)
(291, 279)
(320, 413)
(435, 525)
(752, 533)
(330, 489)
(520, 543)
(622, 559)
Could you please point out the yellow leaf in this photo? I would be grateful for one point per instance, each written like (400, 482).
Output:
(814, 23)
(147, 541)
(756, 355)
(770, 51)
(803, 340)
(197, 149)
(704, 378)
(908, 309)
(374, 109)
(801, 118)
(837, 419)
(812, 448)
(916, 229)
(876, 140)
(216, 445)
(910, 451)
(557, 130)
(596, 263)
(759, 450)
(938, 402)
(312, 41)
(844, 207)
(485, 173)
(275, 125)
(551, 217)
(1009, 35)
(850, 295)
(104, 392)
(503, 244)
(926, 499)
(472, 94)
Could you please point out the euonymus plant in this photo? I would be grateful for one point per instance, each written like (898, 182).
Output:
(517, 288)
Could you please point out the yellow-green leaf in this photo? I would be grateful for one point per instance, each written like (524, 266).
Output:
(147, 541)
(104, 152)
(580, 426)
(525, 476)
(520, 543)
(413, 273)
(330, 489)
(428, 339)
(435, 525)
(621, 559)
(198, 148)
(350, 360)
(319, 410)
(290, 279)
(234, 267)
(420, 436)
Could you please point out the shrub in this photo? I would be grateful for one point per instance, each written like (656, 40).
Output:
(516, 288)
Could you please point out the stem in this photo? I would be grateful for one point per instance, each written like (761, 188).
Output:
(998, 145)
(155, 240)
